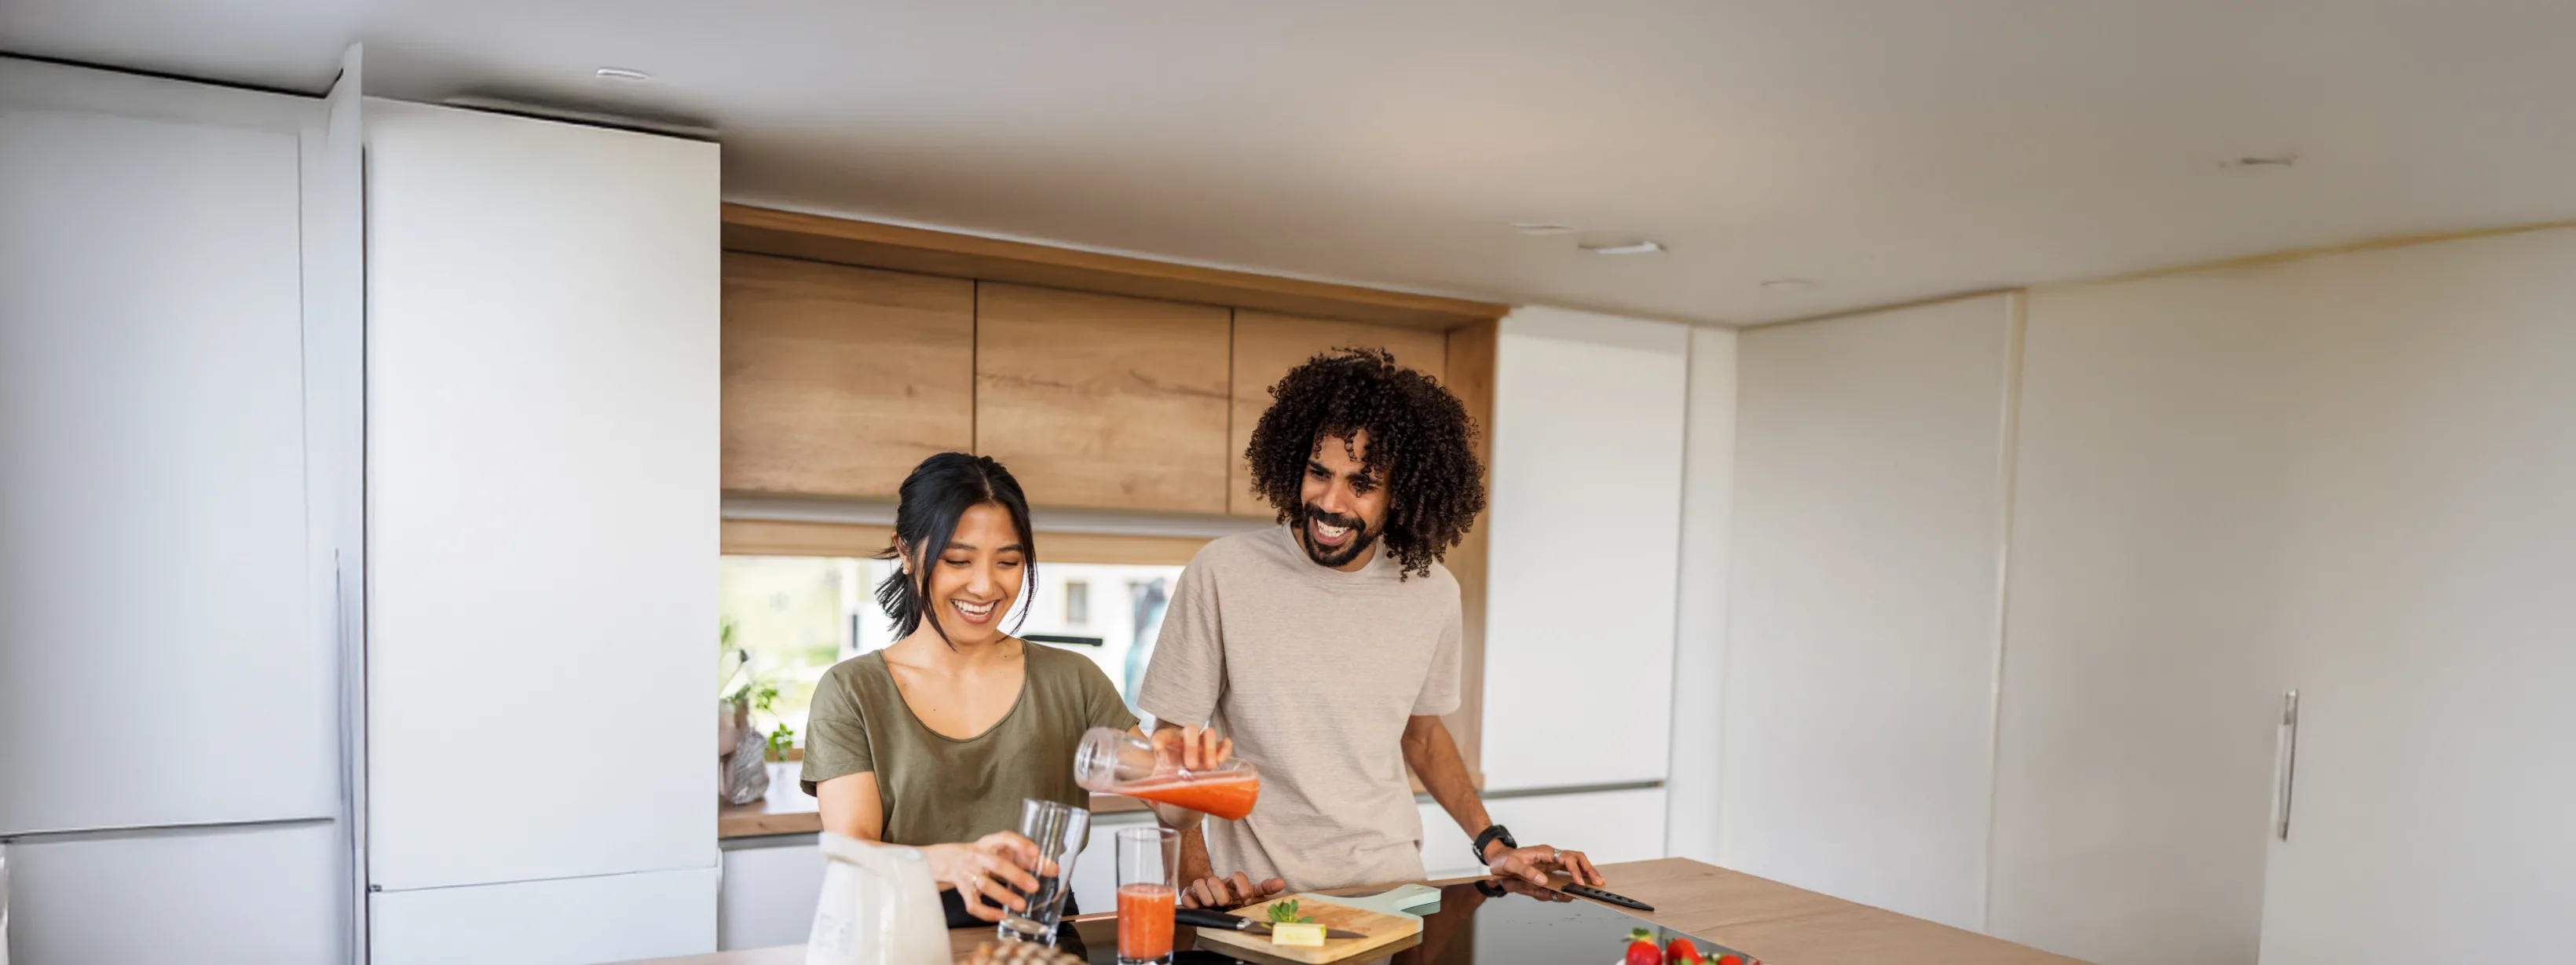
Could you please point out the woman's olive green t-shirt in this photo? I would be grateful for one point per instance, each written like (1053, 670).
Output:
(939, 789)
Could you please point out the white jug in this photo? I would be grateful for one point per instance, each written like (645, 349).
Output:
(879, 907)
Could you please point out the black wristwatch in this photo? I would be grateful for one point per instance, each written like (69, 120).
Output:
(1493, 834)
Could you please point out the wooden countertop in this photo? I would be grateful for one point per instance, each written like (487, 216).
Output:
(1779, 924)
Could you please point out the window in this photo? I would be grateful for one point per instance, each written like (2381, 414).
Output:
(793, 617)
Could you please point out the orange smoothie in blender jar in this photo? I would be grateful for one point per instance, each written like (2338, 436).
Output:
(1115, 762)
(1225, 795)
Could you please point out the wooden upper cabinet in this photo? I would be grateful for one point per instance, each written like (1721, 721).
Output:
(838, 380)
(1267, 345)
(1102, 400)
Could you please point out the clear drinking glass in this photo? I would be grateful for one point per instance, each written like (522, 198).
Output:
(1148, 879)
(1059, 831)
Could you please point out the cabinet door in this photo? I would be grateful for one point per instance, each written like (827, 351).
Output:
(1574, 395)
(768, 892)
(838, 380)
(2133, 736)
(152, 459)
(1266, 346)
(1868, 495)
(270, 894)
(2428, 608)
(1103, 401)
(542, 345)
(613, 918)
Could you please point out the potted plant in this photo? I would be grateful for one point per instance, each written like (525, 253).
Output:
(743, 752)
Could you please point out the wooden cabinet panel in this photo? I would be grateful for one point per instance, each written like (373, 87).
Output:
(838, 380)
(1267, 345)
(1099, 400)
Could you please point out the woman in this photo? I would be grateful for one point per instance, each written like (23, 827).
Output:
(934, 741)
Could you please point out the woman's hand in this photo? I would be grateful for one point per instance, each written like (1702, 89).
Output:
(990, 873)
(1189, 748)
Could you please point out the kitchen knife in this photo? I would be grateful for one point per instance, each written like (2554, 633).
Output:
(1203, 918)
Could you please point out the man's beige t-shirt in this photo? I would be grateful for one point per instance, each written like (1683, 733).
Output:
(1313, 673)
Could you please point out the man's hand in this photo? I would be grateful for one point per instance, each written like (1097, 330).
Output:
(1233, 892)
(1534, 863)
(1189, 748)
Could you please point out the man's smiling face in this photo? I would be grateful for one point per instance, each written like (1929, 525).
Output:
(1344, 502)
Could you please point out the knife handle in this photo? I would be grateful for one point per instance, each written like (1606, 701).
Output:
(1205, 918)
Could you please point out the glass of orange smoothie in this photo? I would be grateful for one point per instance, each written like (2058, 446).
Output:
(1148, 891)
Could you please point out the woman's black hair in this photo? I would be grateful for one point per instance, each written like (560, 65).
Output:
(933, 498)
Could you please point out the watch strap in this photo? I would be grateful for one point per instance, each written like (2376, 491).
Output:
(1493, 834)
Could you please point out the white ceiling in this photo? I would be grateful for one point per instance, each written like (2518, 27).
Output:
(1890, 149)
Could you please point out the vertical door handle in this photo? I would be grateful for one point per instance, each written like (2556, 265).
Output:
(2287, 763)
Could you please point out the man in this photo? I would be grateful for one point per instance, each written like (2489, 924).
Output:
(1328, 647)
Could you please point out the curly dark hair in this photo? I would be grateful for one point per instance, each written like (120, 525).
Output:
(1420, 441)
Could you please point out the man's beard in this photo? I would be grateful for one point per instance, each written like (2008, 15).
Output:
(1333, 556)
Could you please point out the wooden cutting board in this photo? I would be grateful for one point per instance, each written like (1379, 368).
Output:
(1383, 928)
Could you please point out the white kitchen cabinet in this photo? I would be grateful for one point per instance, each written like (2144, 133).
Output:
(2428, 613)
(1860, 659)
(172, 453)
(256, 895)
(1699, 630)
(542, 469)
(769, 889)
(1586, 514)
(152, 459)
(1607, 826)
(1095, 873)
(2139, 689)
(563, 921)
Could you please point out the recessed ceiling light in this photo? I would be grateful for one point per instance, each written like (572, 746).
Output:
(1782, 283)
(2281, 160)
(1639, 248)
(1536, 228)
(620, 73)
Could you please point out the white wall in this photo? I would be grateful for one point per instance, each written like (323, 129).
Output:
(1587, 479)
(1860, 660)
(1699, 650)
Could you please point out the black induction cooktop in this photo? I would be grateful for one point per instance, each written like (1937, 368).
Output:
(1477, 923)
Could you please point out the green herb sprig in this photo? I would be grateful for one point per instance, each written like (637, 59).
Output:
(1285, 913)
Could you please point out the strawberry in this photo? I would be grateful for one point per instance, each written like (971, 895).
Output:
(1641, 948)
(1733, 960)
(1680, 951)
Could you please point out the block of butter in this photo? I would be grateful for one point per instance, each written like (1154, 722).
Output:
(1308, 934)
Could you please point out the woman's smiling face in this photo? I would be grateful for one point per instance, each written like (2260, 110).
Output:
(976, 578)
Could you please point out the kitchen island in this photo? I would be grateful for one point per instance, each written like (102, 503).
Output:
(1779, 924)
